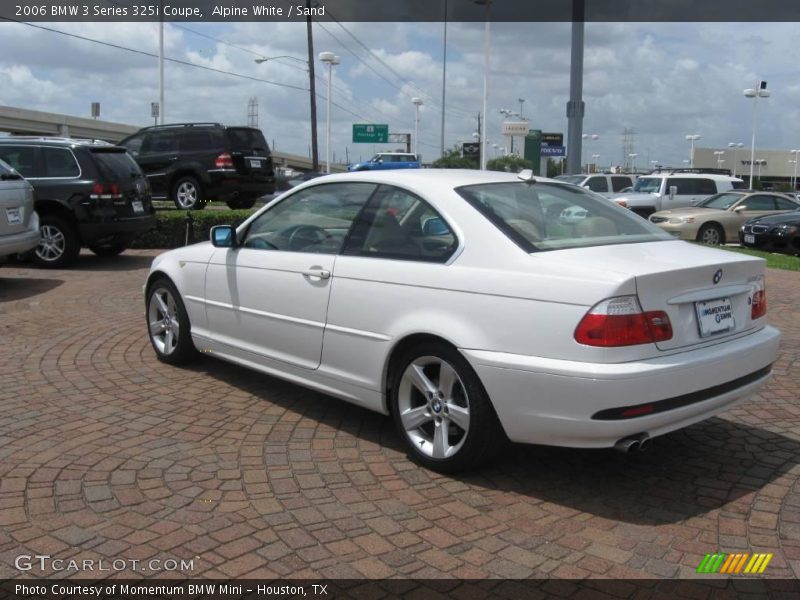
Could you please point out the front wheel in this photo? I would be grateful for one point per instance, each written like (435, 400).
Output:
(441, 410)
(711, 234)
(168, 323)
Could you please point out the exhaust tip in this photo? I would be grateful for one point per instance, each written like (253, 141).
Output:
(634, 443)
(644, 444)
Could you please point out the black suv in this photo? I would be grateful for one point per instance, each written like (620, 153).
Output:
(191, 163)
(87, 193)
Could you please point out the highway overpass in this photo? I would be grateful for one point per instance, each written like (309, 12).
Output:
(22, 121)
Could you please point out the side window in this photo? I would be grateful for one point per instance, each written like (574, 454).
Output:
(398, 224)
(706, 187)
(316, 219)
(21, 158)
(784, 204)
(619, 183)
(193, 140)
(685, 185)
(134, 144)
(759, 202)
(159, 141)
(59, 162)
(597, 184)
(739, 185)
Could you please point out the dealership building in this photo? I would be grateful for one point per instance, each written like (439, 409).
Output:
(775, 166)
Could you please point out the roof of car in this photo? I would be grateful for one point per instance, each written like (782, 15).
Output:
(679, 175)
(447, 177)
(52, 140)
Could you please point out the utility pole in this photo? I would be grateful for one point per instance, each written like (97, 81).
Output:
(575, 106)
(312, 91)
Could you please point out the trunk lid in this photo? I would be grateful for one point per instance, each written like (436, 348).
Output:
(115, 166)
(684, 280)
(16, 202)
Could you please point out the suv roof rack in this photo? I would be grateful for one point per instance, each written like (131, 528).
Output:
(55, 138)
(691, 170)
(166, 125)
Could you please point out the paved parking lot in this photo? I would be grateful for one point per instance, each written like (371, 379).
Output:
(105, 453)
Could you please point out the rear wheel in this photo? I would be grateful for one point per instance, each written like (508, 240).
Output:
(441, 410)
(241, 203)
(188, 194)
(710, 233)
(112, 249)
(59, 246)
(168, 323)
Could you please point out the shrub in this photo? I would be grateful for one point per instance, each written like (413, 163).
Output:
(170, 230)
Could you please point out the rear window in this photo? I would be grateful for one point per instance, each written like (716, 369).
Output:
(114, 165)
(544, 216)
(245, 139)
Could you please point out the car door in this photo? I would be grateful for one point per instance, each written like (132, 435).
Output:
(755, 205)
(268, 297)
(158, 154)
(686, 193)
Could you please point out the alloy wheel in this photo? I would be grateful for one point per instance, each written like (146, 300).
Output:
(187, 194)
(52, 244)
(162, 316)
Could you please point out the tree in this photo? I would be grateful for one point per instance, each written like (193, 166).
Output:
(510, 164)
(452, 159)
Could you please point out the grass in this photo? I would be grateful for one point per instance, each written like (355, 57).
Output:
(774, 261)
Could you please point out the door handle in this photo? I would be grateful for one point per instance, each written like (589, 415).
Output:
(321, 273)
(173, 158)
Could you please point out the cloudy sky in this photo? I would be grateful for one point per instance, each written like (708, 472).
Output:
(663, 80)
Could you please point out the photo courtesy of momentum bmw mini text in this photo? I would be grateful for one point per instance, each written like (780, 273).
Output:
(475, 299)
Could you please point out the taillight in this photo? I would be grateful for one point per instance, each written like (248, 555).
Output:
(621, 321)
(758, 307)
(105, 191)
(224, 161)
(622, 203)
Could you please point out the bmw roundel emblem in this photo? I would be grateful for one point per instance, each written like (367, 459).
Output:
(717, 276)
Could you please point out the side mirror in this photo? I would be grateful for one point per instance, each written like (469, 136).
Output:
(740, 208)
(673, 190)
(380, 160)
(435, 226)
(223, 236)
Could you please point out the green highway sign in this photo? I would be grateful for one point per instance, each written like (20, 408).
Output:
(364, 133)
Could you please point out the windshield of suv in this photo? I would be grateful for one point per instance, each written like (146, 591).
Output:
(573, 179)
(546, 216)
(648, 184)
(720, 201)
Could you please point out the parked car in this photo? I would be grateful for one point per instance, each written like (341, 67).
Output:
(86, 192)
(457, 302)
(774, 233)
(191, 163)
(606, 184)
(387, 160)
(675, 188)
(19, 223)
(718, 219)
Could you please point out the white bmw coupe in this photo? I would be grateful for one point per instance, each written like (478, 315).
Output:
(462, 304)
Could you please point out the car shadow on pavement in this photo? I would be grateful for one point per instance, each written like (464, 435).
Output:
(123, 262)
(684, 474)
(20, 288)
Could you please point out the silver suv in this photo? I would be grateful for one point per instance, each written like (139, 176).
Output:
(677, 188)
(19, 223)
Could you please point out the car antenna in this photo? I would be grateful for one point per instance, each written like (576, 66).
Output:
(526, 175)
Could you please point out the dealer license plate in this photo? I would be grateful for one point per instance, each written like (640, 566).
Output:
(14, 216)
(749, 239)
(256, 164)
(714, 316)
(137, 206)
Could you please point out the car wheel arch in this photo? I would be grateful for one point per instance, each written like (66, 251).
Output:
(718, 226)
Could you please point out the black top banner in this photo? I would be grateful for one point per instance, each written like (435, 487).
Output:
(402, 10)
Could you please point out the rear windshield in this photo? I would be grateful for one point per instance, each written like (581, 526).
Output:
(115, 164)
(545, 216)
(245, 139)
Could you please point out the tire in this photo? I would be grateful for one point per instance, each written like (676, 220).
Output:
(112, 249)
(187, 194)
(432, 433)
(59, 246)
(712, 234)
(168, 323)
(241, 203)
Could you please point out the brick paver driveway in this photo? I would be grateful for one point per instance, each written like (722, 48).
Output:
(107, 453)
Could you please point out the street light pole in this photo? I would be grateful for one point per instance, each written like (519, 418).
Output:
(161, 110)
(633, 156)
(521, 102)
(719, 154)
(794, 180)
(417, 103)
(331, 59)
(692, 138)
(759, 92)
(735, 146)
(486, 46)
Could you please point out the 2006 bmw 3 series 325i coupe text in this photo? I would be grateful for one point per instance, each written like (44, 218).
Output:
(464, 305)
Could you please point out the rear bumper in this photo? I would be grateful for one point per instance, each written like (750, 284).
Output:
(21, 242)
(545, 401)
(777, 243)
(118, 229)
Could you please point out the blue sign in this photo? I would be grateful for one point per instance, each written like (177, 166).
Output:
(554, 151)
